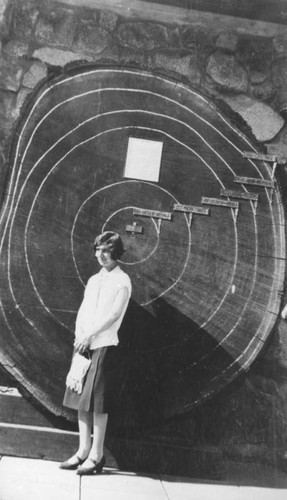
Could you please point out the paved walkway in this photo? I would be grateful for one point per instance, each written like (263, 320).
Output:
(28, 479)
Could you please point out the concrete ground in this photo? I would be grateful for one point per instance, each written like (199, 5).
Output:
(29, 479)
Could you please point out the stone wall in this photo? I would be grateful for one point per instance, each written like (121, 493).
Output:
(40, 39)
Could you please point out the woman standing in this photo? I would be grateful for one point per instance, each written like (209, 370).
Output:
(100, 315)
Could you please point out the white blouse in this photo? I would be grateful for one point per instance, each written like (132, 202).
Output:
(99, 297)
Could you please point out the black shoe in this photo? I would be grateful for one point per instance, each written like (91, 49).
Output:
(97, 467)
(68, 466)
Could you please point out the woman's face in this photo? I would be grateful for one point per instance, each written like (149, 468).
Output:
(103, 254)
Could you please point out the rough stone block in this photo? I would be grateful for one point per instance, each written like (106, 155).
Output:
(6, 127)
(255, 51)
(59, 32)
(264, 122)
(257, 76)
(5, 17)
(44, 32)
(280, 102)
(16, 48)
(195, 69)
(7, 102)
(24, 19)
(196, 37)
(143, 36)
(4, 163)
(37, 72)
(173, 63)
(187, 66)
(111, 54)
(280, 45)
(174, 38)
(227, 40)
(264, 91)
(279, 147)
(279, 72)
(133, 57)
(57, 57)
(107, 20)
(3, 6)
(10, 75)
(226, 72)
(21, 98)
(92, 39)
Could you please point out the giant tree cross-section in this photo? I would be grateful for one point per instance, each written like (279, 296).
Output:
(203, 228)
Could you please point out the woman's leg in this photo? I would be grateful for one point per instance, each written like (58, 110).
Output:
(100, 420)
(85, 421)
(100, 425)
(96, 460)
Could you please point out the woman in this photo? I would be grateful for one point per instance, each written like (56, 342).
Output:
(100, 315)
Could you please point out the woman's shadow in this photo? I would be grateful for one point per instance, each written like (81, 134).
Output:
(163, 363)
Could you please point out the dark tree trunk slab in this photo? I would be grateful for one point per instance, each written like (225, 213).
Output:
(206, 293)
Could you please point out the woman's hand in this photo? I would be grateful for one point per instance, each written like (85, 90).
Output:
(81, 344)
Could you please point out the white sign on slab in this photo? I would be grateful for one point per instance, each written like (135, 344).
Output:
(143, 159)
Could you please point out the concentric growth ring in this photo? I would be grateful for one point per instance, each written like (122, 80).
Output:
(204, 298)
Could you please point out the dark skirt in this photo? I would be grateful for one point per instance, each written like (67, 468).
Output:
(95, 394)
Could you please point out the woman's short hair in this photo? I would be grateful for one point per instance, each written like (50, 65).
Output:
(112, 241)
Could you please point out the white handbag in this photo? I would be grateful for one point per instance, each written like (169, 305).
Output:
(78, 370)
